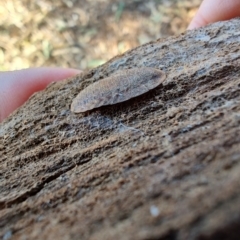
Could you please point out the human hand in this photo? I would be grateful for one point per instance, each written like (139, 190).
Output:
(215, 10)
(17, 86)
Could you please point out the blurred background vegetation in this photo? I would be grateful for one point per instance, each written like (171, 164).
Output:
(84, 33)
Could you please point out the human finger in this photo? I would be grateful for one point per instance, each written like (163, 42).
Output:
(17, 86)
(215, 10)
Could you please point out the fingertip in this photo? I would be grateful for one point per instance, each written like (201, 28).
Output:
(193, 25)
(200, 19)
(215, 10)
(17, 86)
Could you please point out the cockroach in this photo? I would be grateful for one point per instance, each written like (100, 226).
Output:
(120, 87)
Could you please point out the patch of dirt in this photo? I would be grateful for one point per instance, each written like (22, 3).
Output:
(84, 34)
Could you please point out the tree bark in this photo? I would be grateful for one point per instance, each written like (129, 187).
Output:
(164, 165)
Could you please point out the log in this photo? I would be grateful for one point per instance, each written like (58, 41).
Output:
(164, 165)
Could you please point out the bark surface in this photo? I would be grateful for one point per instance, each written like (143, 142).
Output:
(165, 165)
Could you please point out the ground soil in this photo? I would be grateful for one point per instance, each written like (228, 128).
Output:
(84, 34)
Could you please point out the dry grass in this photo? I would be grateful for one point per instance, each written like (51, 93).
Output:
(83, 33)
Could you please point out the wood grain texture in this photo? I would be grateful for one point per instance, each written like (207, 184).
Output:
(162, 166)
(121, 86)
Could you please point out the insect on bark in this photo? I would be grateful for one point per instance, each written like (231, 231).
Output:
(121, 86)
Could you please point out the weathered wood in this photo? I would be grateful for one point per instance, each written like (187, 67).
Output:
(165, 165)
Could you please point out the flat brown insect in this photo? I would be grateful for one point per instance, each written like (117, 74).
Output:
(121, 86)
